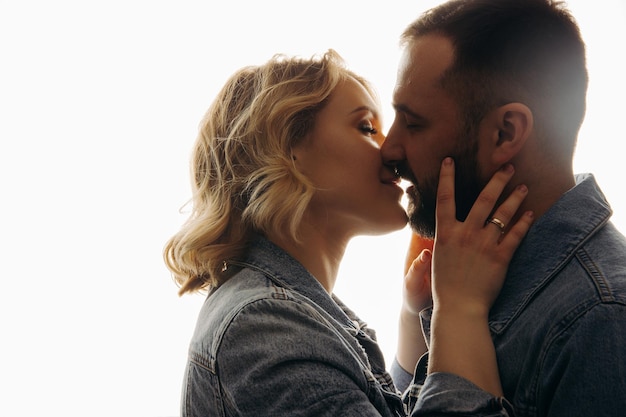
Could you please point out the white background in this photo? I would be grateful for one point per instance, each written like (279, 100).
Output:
(99, 106)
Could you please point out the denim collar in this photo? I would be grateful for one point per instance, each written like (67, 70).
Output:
(285, 271)
(550, 243)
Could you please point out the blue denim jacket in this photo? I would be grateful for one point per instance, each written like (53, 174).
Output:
(272, 342)
(559, 324)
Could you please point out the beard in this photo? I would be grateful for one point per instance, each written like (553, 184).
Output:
(422, 195)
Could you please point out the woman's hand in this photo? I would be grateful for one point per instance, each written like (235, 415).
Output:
(470, 260)
(416, 296)
(416, 292)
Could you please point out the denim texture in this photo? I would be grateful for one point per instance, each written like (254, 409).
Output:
(559, 323)
(272, 342)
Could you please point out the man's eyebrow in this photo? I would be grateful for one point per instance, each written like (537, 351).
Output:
(402, 108)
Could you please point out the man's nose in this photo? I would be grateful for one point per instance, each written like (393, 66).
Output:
(391, 150)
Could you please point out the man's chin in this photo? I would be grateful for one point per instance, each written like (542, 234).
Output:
(421, 220)
(422, 229)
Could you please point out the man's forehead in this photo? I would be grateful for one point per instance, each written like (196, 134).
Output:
(426, 57)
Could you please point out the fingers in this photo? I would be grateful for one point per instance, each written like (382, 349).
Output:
(516, 233)
(503, 215)
(506, 211)
(417, 291)
(445, 208)
(488, 197)
(420, 268)
(479, 216)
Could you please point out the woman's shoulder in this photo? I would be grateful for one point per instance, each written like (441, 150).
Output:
(250, 300)
(247, 286)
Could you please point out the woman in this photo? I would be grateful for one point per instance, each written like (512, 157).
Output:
(286, 170)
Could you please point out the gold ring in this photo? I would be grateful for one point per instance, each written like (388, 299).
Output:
(497, 222)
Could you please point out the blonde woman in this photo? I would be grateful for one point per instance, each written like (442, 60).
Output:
(286, 170)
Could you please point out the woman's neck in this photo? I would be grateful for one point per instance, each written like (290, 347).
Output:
(320, 253)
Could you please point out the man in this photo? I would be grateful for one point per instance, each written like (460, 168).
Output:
(492, 82)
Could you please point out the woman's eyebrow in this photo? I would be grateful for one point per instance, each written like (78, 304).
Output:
(366, 108)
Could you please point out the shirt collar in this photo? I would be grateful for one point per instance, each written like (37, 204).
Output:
(550, 243)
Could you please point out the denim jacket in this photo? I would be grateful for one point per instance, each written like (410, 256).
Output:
(558, 325)
(272, 342)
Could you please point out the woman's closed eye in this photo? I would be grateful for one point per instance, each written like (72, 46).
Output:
(368, 128)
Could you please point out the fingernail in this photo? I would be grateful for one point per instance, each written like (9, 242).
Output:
(508, 168)
(522, 188)
(447, 161)
(425, 256)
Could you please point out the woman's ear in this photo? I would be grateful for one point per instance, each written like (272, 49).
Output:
(297, 151)
(513, 126)
(298, 155)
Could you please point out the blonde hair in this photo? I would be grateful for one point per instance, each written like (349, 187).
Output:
(244, 181)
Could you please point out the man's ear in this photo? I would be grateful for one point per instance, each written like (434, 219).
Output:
(513, 125)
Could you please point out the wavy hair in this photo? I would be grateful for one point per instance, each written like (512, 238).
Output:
(244, 181)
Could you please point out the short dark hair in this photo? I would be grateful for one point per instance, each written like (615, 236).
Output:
(527, 51)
